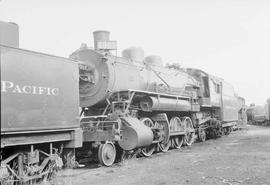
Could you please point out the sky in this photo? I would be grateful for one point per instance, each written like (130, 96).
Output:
(226, 38)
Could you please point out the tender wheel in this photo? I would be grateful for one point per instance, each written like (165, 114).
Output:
(230, 129)
(106, 154)
(165, 147)
(222, 131)
(227, 130)
(148, 150)
(189, 135)
(178, 141)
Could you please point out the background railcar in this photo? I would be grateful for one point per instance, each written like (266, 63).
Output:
(259, 114)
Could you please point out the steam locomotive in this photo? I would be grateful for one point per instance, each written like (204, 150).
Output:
(141, 106)
(129, 105)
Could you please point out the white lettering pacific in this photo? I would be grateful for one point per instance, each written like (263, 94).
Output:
(8, 86)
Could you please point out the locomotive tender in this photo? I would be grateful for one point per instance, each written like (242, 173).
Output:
(139, 105)
(39, 110)
(129, 105)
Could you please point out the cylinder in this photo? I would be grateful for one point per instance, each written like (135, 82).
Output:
(135, 134)
(100, 35)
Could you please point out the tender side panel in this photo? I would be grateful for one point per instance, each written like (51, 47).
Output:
(38, 91)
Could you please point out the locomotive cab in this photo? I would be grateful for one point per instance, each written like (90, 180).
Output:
(210, 88)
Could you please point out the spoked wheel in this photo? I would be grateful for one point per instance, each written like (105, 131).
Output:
(164, 147)
(148, 150)
(227, 131)
(176, 125)
(189, 135)
(147, 122)
(222, 131)
(178, 141)
(106, 154)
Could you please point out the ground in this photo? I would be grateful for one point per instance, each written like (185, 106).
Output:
(243, 157)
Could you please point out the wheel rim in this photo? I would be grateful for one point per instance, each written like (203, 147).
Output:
(189, 131)
(106, 154)
(222, 131)
(164, 134)
(226, 131)
(188, 138)
(176, 124)
(147, 122)
(165, 147)
(178, 141)
(148, 150)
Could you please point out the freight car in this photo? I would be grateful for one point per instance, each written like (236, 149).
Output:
(136, 105)
(259, 115)
(39, 111)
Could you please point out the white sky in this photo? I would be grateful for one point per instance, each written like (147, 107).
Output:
(227, 38)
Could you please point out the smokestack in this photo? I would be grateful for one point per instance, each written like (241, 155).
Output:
(100, 35)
